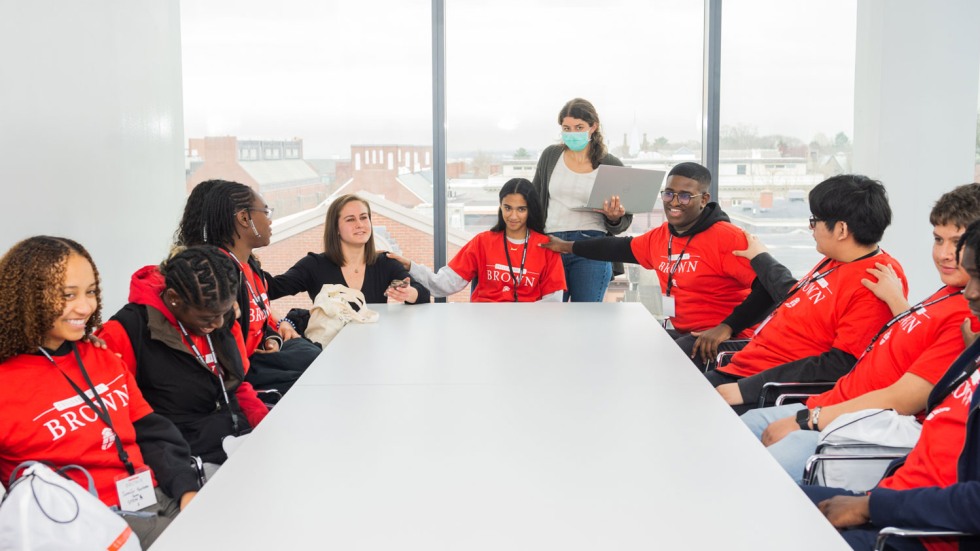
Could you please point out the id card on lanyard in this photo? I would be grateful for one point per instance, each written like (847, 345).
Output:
(134, 489)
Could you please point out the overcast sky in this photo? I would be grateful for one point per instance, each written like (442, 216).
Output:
(337, 73)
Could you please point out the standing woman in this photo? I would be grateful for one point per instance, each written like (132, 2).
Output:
(507, 262)
(67, 402)
(179, 339)
(564, 179)
(349, 259)
(237, 220)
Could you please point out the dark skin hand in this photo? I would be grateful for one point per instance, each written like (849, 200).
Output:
(558, 245)
(708, 341)
(846, 511)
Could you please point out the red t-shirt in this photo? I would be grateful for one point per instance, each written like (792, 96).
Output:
(933, 460)
(708, 280)
(832, 311)
(45, 419)
(924, 343)
(257, 317)
(484, 258)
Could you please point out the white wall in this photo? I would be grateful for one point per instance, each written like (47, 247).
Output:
(91, 129)
(915, 111)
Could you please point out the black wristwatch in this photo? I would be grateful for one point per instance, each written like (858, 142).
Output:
(803, 419)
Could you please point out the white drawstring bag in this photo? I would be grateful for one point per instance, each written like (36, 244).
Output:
(874, 431)
(46, 511)
(332, 311)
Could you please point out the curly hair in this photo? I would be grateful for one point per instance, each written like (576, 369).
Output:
(32, 274)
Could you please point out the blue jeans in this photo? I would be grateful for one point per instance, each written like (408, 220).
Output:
(586, 279)
(795, 448)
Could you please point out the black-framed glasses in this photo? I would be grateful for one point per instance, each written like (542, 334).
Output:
(683, 197)
(813, 221)
(267, 210)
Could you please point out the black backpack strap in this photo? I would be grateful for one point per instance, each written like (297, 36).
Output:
(133, 319)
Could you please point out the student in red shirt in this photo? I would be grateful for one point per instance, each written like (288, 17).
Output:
(909, 355)
(701, 279)
(67, 402)
(178, 338)
(506, 262)
(938, 485)
(826, 319)
(237, 219)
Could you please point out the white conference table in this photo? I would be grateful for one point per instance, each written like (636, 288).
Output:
(502, 426)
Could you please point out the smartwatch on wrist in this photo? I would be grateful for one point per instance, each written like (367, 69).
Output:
(802, 418)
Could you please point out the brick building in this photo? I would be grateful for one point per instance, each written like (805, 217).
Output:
(402, 230)
(273, 167)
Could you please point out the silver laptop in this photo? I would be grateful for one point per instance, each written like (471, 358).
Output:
(637, 188)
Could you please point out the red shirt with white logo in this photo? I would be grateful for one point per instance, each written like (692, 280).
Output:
(831, 309)
(924, 343)
(708, 280)
(45, 419)
(933, 460)
(257, 316)
(484, 258)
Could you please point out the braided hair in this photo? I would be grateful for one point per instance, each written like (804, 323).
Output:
(202, 276)
(209, 216)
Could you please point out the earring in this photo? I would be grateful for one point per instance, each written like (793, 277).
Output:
(173, 304)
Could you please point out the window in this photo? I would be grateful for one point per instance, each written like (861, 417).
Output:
(787, 104)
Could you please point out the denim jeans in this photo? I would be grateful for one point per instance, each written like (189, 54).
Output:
(586, 279)
(795, 448)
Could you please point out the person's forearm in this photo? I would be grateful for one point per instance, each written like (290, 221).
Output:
(609, 249)
(775, 278)
(441, 284)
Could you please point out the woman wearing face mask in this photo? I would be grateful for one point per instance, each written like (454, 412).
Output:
(564, 179)
(506, 262)
(179, 339)
(67, 402)
(349, 259)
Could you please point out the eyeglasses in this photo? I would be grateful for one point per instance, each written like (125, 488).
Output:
(813, 221)
(683, 197)
(267, 210)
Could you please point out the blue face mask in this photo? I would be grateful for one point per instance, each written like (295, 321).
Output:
(576, 141)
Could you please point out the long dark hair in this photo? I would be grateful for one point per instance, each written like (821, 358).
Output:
(535, 214)
(331, 232)
(581, 109)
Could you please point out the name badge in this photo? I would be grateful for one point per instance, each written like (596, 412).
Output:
(668, 306)
(136, 491)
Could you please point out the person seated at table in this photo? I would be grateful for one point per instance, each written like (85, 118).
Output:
(900, 366)
(701, 279)
(827, 318)
(65, 401)
(505, 261)
(938, 485)
(178, 338)
(236, 219)
(350, 259)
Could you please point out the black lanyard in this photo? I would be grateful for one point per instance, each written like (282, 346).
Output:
(670, 274)
(216, 370)
(518, 278)
(256, 298)
(815, 275)
(101, 412)
(917, 308)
